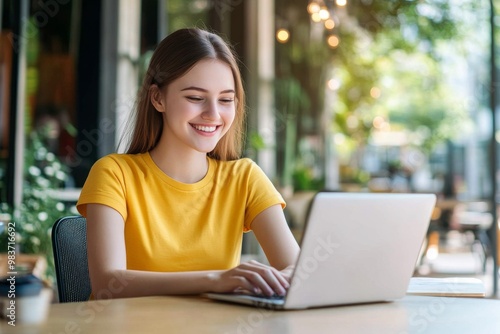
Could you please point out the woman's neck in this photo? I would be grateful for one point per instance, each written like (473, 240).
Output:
(185, 167)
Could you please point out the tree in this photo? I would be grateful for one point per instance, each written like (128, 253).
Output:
(390, 63)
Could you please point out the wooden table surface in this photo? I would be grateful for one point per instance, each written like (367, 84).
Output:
(412, 314)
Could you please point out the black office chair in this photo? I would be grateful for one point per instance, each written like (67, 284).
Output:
(69, 245)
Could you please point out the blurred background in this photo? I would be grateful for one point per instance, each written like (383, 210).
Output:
(342, 95)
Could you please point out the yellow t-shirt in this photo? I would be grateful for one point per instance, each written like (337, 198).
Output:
(172, 226)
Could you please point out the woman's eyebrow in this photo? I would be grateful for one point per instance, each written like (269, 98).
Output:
(194, 88)
(205, 91)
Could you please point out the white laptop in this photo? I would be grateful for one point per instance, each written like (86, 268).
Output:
(356, 248)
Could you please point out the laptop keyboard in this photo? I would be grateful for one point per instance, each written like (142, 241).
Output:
(273, 297)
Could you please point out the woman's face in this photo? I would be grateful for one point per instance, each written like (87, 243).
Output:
(199, 107)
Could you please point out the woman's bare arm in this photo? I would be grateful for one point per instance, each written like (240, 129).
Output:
(111, 279)
(276, 239)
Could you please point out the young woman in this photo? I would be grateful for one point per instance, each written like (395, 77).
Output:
(168, 216)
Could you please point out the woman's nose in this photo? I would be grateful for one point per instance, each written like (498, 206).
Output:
(211, 111)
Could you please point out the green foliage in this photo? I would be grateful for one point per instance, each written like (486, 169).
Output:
(427, 20)
(303, 179)
(291, 99)
(183, 14)
(395, 47)
(37, 213)
(354, 175)
(256, 141)
(290, 96)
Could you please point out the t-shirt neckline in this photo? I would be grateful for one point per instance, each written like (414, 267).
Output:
(177, 184)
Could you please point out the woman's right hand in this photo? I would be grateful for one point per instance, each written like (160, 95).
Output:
(254, 277)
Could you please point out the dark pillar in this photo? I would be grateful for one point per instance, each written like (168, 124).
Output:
(19, 14)
(87, 103)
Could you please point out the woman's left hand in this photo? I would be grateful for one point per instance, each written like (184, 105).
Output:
(288, 272)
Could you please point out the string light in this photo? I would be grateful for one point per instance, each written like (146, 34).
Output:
(333, 84)
(324, 14)
(313, 7)
(282, 35)
(329, 24)
(316, 17)
(333, 41)
(321, 13)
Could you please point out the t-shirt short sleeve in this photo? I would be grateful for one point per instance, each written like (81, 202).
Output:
(104, 185)
(262, 194)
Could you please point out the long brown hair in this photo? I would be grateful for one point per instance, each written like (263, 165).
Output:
(173, 57)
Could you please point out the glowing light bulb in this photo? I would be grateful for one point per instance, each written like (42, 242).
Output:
(333, 41)
(329, 24)
(316, 17)
(282, 35)
(313, 7)
(324, 14)
(333, 84)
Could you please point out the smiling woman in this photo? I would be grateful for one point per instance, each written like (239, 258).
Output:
(197, 112)
(170, 213)
(175, 57)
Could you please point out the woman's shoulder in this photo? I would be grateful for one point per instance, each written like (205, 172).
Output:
(244, 163)
(244, 167)
(119, 160)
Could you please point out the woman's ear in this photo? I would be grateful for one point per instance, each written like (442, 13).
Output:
(156, 97)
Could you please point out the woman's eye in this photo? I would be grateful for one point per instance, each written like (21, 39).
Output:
(194, 98)
(228, 100)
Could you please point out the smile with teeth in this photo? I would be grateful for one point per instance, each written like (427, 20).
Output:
(204, 128)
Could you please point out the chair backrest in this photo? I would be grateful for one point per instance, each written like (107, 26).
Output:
(69, 245)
